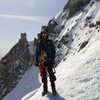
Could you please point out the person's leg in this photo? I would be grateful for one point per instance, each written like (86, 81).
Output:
(52, 79)
(45, 88)
(53, 88)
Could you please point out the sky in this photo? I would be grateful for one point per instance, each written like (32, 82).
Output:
(19, 16)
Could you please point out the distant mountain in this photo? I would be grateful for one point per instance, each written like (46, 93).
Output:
(14, 64)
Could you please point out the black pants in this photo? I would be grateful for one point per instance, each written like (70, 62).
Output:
(52, 79)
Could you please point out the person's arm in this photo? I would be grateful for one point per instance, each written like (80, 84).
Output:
(51, 51)
(36, 55)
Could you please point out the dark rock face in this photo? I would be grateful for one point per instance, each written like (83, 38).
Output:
(83, 45)
(75, 5)
(13, 66)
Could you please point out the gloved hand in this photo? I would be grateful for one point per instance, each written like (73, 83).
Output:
(36, 64)
(46, 63)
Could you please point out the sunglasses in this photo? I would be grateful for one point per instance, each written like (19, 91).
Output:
(44, 34)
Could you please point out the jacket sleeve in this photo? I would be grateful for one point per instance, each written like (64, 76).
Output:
(52, 51)
(37, 54)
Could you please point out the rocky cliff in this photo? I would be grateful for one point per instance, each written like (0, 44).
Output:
(75, 5)
(14, 65)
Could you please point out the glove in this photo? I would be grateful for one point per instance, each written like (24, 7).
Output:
(46, 63)
(36, 65)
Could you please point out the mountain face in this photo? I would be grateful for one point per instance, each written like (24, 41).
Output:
(66, 27)
(14, 65)
(75, 32)
(75, 5)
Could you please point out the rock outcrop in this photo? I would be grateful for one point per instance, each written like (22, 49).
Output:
(14, 65)
(75, 5)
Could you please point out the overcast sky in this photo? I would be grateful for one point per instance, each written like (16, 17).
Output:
(18, 16)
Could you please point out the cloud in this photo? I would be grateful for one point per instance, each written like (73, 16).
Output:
(25, 18)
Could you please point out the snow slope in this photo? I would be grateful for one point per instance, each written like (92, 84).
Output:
(78, 73)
